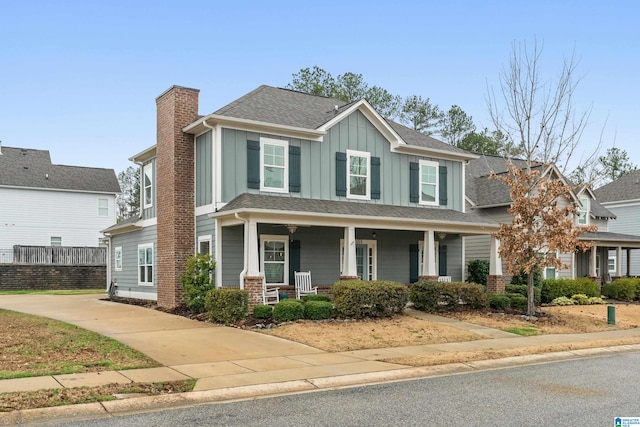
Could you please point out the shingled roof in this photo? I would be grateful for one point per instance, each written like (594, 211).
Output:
(627, 187)
(25, 167)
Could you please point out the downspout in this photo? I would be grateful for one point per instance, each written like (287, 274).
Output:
(246, 249)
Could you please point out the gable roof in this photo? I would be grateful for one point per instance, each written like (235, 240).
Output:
(625, 188)
(29, 168)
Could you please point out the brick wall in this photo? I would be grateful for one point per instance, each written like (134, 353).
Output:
(176, 108)
(23, 277)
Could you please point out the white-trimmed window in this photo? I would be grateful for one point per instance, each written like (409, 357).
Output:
(274, 165)
(117, 258)
(56, 241)
(204, 245)
(145, 264)
(147, 185)
(366, 258)
(429, 182)
(275, 259)
(611, 264)
(358, 175)
(550, 272)
(583, 212)
(103, 207)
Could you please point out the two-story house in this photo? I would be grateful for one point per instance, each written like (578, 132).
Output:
(622, 197)
(492, 197)
(279, 181)
(45, 204)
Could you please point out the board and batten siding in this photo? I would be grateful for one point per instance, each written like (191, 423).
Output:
(204, 169)
(127, 279)
(150, 212)
(232, 255)
(31, 217)
(318, 164)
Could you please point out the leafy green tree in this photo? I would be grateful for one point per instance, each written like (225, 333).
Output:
(351, 87)
(421, 115)
(385, 103)
(197, 281)
(315, 81)
(455, 125)
(615, 164)
(485, 142)
(128, 201)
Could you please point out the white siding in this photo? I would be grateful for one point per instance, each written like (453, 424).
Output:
(31, 217)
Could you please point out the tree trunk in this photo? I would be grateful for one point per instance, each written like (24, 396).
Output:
(531, 306)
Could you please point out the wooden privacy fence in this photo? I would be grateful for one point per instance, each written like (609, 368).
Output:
(59, 255)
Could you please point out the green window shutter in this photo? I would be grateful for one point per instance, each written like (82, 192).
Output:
(442, 260)
(413, 263)
(341, 174)
(443, 186)
(294, 260)
(294, 169)
(414, 182)
(253, 164)
(375, 177)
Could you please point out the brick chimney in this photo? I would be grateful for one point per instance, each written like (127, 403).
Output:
(176, 108)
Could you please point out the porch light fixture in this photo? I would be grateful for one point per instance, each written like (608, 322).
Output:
(292, 228)
(442, 235)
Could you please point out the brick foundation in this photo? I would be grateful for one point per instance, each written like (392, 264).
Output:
(350, 278)
(176, 108)
(495, 284)
(253, 285)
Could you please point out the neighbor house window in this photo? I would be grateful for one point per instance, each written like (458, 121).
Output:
(147, 183)
(117, 258)
(428, 182)
(204, 245)
(56, 241)
(611, 264)
(145, 264)
(103, 207)
(275, 259)
(358, 175)
(275, 163)
(583, 212)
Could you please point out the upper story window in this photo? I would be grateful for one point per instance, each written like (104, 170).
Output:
(103, 207)
(147, 183)
(583, 212)
(358, 175)
(274, 167)
(429, 192)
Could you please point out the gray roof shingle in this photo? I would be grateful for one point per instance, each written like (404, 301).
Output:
(22, 167)
(627, 187)
(248, 201)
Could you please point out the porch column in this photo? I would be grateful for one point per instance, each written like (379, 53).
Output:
(429, 257)
(253, 264)
(592, 264)
(628, 262)
(618, 261)
(349, 267)
(495, 279)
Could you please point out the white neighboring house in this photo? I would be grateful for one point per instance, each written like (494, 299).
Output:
(622, 197)
(44, 204)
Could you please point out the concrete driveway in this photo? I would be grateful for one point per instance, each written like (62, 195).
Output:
(166, 338)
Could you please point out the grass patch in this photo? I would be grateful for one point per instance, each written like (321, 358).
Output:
(72, 396)
(529, 331)
(54, 292)
(35, 346)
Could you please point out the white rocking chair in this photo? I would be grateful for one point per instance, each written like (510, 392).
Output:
(303, 284)
(270, 294)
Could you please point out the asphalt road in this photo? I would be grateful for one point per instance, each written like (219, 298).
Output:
(585, 392)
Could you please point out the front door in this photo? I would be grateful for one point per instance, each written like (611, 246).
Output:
(362, 261)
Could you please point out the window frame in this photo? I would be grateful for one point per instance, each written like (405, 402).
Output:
(585, 208)
(275, 238)
(105, 200)
(147, 170)
(51, 242)
(372, 256)
(285, 169)
(146, 265)
(117, 258)
(367, 155)
(436, 166)
(613, 258)
(203, 239)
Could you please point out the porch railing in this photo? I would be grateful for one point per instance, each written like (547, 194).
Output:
(54, 255)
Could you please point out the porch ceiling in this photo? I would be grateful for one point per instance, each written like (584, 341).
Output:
(362, 212)
(606, 238)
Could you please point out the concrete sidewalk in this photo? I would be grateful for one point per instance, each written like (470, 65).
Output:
(233, 362)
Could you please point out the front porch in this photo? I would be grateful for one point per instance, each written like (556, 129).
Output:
(604, 262)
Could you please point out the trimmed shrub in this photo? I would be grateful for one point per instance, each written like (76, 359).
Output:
(596, 300)
(227, 305)
(447, 296)
(288, 310)
(580, 299)
(197, 282)
(262, 311)
(624, 288)
(555, 288)
(312, 297)
(517, 301)
(377, 298)
(318, 310)
(478, 270)
(562, 301)
(521, 279)
(522, 290)
(499, 301)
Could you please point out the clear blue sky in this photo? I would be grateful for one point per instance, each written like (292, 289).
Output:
(80, 78)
